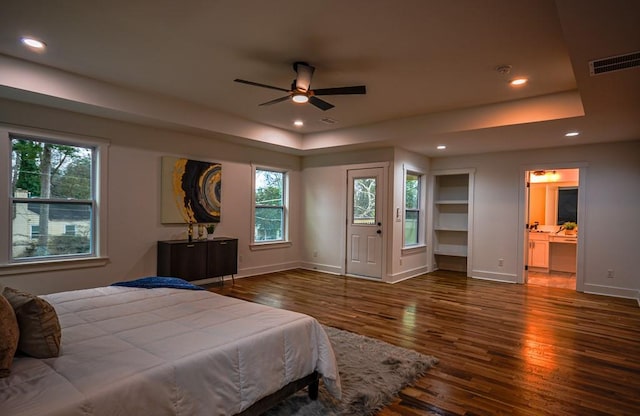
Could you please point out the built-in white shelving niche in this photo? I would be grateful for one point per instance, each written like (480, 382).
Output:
(452, 193)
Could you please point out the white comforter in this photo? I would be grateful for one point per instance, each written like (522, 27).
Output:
(129, 351)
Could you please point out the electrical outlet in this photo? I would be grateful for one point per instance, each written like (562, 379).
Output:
(500, 262)
(610, 274)
(315, 254)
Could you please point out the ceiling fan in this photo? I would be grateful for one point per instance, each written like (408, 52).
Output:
(301, 92)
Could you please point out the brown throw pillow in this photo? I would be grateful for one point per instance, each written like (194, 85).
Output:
(40, 331)
(9, 334)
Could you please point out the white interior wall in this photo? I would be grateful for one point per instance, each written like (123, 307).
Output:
(612, 196)
(409, 262)
(318, 183)
(325, 205)
(325, 189)
(134, 197)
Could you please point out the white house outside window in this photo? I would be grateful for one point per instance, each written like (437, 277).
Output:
(52, 199)
(270, 206)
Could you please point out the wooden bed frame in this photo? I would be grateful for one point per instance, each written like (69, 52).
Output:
(266, 403)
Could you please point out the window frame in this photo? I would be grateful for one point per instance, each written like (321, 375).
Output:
(420, 210)
(73, 227)
(258, 245)
(98, 255)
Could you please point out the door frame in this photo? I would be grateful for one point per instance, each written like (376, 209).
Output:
(382, 193)
(522, 255)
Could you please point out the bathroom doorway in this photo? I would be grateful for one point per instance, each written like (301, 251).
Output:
(551, 234)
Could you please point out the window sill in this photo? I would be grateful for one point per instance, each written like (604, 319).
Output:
(421, 248)
(51, 265)
(269, 246)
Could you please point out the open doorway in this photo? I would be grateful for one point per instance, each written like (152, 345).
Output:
(551, 236)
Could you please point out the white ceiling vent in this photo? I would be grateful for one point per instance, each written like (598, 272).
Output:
(614, 63)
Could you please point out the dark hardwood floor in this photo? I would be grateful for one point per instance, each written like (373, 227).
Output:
(504, 349)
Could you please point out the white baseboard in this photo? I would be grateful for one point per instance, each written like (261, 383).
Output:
(269, 268)
(406, 274)
(617, 292)
(497, 277)
(326, 268)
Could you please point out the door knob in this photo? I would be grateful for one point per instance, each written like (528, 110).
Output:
(379, 231)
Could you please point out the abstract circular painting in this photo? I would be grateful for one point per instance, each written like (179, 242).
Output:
(195, 191)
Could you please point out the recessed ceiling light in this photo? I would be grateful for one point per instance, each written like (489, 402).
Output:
(518, 81)
(441, 147)
(298, 123)
(572, 134)
(33, 43)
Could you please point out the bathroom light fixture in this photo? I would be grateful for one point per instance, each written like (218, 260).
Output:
(572, 134)
(541, 176)
(298, 123)
(300, 98)
(441, 147)
(33, 43)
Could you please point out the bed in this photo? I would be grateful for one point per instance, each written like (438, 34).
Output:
(133, 351)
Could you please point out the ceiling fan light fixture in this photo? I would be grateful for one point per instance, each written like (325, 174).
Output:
(300, 98)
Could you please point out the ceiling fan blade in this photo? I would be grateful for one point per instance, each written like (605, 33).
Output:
(359, 89)
(277, 100)
(305, 72)
(321, 104)
(256, 84)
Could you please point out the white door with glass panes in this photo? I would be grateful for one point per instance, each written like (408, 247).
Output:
(364, 222)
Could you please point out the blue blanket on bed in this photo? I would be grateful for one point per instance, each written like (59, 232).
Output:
(159, 281)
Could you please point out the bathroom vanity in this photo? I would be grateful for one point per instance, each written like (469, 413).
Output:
(551, 251)
(562, 253)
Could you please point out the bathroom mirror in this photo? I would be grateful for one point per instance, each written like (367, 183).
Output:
(567, 205)
(553, 196)
(550, 204)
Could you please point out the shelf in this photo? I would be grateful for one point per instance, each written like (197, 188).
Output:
(452, 187)
(451, 217)
(452, 202)
(461, 230)
(458, 252)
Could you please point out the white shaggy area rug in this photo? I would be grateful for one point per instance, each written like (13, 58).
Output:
(372, 373)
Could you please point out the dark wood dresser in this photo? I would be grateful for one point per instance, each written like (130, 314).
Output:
(198, 259)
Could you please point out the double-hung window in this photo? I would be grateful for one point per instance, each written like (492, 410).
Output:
(412, 209)
(270, 206)
(53, 199)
